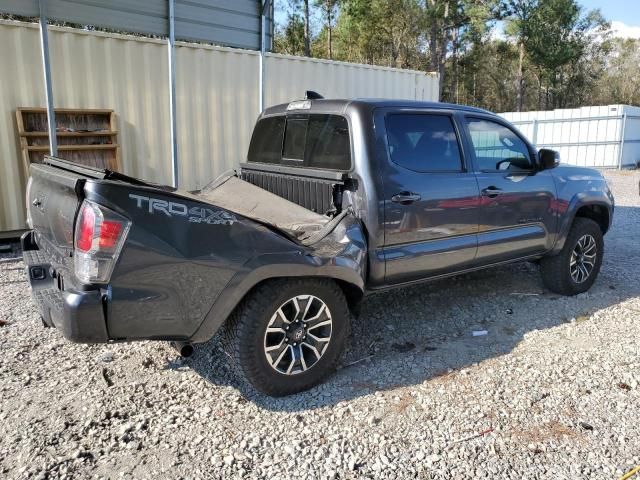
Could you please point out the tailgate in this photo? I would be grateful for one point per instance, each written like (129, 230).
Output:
(52, 203)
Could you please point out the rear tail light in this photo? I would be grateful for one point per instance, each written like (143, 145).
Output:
(100, 235)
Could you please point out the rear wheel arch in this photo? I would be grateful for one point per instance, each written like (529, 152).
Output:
(248, 334)
(352, 292)
(349, 279)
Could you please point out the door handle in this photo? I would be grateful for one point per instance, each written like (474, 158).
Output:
(405, 198)
(491, 192)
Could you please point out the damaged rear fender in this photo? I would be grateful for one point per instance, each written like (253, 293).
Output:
(341, 255)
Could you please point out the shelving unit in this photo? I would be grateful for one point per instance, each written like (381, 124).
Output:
(85, 136)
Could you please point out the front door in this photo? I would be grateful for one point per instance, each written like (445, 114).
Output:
(431, 201)
(516, 218)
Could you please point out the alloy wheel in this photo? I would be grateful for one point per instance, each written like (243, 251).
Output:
(583, 258)
(298, 334)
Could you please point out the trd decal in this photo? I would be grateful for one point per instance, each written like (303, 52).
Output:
(194, 214)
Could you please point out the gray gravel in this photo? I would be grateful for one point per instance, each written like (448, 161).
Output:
(552, 390)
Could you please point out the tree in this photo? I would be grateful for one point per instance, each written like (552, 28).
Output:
(553, 53)
(620, 82)
(448, 22)
(557, 38)
(307, 29)
(289, 38)
(301, 8)
(386, 32)
(518, 13)
(328, 8)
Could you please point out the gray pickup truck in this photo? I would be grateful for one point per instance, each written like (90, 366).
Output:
(338, 199)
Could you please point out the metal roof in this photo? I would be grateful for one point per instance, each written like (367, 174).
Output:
(232, 23)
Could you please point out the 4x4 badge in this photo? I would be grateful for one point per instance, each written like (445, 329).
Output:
(194, 214)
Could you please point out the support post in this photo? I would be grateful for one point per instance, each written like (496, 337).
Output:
(172, 95)
(46, 67)
(534, 135)
(621, 145)
(263, 48)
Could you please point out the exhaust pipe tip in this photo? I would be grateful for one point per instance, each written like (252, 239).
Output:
(185, 349)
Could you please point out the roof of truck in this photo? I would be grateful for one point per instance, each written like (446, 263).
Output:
(327, 105)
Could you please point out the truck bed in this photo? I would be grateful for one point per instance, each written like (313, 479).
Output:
(243, 198)
(187, 258)
(315, 190)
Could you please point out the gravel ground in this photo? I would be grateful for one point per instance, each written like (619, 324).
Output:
(552, 391)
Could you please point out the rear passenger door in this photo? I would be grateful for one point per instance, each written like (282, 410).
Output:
(430, 199)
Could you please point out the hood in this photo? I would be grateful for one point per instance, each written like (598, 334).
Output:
(575, 173)
(582, 182)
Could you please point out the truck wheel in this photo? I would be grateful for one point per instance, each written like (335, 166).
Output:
(576, 267)
(287, 336)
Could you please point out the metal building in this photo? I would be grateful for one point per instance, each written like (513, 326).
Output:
(601, 137)
(216, 98)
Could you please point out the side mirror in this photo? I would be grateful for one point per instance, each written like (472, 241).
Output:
(548, 159)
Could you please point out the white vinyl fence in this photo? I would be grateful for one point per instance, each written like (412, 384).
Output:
(216, 95)
(601, 137)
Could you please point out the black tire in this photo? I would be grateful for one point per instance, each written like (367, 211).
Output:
(245, 335)
(556, 270)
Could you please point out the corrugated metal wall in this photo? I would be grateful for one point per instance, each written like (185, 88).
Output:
(343, 80)
(586, 136)
(217, 105)
(216, 93)
(21, 85)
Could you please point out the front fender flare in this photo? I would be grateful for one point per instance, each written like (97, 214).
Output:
(578, 201)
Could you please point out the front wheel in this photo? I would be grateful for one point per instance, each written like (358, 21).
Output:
(576, 267)
(287, 336)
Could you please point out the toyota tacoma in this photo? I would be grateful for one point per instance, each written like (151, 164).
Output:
(337, 199)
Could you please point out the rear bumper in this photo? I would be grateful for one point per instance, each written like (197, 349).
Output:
(79, 315)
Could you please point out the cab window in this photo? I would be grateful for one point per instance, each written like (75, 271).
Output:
(497, 147)
(423, 142)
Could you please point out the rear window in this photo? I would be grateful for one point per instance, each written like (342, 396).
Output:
(266, 142)
(314, 141)
(295, 136)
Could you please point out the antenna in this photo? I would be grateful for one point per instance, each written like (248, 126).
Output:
(311, 95)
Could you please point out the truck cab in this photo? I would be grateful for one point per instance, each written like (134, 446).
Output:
(440, 189)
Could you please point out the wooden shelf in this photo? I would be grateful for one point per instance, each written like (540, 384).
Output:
(101, 133)
(45, 148)
(78, 128)
(74, 111)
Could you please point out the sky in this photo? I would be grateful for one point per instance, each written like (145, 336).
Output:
(624, 15)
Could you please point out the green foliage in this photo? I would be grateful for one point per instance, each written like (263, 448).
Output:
(290, 38)
(383, 32)
(620, 84)
(552, 54)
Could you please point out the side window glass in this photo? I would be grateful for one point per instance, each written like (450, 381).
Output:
(497, 147)
(423, 142)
